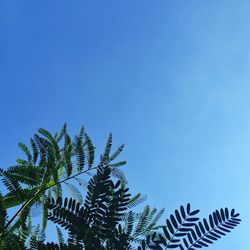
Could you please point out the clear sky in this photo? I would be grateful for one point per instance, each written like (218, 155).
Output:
(170, 79)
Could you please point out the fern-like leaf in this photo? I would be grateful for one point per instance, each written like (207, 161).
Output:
(79, 148)
(116, 153)
(207, 231)
(75, 192)
(59, 236)
(11, 183)
(90, 150)
(25, 149)
(136, 200)
(105, 155)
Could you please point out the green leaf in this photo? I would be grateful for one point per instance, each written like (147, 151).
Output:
(59, 235)
(90, 150)
(52, 140)
(136, 200)
(11, 183)
(116, 153)
(67, 150)
(75, 192)
(62, 133)
(35, 150)
(25, 149)
(118, 164)
(79, 153)
(105, 155)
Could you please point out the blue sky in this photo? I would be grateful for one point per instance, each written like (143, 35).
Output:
(170, 79)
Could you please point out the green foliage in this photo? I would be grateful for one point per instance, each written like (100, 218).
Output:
(101, 217)
(95, 224)
(105, 222)
(48, 163)
(11, 183)
(185, 231)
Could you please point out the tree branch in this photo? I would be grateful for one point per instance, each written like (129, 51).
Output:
(26, 204)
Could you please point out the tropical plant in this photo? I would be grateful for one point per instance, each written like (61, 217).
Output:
(184, 230)
(104, 220)
(51, 162)
(99, 223)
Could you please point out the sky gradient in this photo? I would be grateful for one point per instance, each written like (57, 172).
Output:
(170, 79)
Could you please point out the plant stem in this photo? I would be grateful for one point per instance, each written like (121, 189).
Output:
(26, 204)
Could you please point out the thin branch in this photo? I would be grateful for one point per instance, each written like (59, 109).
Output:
(26, 204)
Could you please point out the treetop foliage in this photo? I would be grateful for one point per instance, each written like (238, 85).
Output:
(102, 216)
